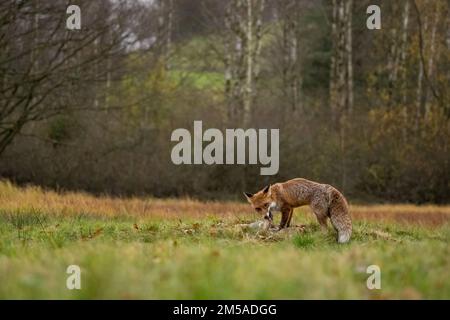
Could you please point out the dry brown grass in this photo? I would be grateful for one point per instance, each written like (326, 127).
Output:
(14, 199)
(427, 215)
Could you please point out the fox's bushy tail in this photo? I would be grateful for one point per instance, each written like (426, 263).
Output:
(340, 216)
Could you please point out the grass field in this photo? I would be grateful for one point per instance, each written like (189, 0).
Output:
(185, 249)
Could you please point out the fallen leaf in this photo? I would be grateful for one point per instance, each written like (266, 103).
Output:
(92, 235)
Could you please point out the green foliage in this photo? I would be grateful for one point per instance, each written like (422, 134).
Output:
(199, 80)
(61, 129)
(145, 94)
(316, 60)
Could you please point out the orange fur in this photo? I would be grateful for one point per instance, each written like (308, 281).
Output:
(324, 200)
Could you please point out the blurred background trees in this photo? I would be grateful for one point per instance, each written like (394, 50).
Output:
(93, 109)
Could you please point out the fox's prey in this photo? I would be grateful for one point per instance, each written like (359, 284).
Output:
(324, 200)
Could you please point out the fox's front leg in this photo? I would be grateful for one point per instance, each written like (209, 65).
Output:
(288, 223)
(285, 214)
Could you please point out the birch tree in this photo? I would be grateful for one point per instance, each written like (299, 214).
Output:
(341, 64)
(288, 13)
(164, 35)
(341, 77)
(243, 23)
(427, 27)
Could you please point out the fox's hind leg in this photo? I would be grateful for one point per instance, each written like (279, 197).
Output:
(320, 210)
(323, 223)
(340, 217)
(341, 221)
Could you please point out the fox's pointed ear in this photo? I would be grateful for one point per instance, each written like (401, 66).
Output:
(248, 195)
(266, 189)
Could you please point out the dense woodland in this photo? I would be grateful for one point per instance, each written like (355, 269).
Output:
(93, 109)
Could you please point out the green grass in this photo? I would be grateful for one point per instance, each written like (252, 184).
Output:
(212, 258)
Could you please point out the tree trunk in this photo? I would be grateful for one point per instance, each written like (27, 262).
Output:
(349, 6)
(249, 56)
(333, 63)
(165, 26)
(290, 55)
(403, 51)
(243, 22)
(431, 61)
(341, 77)
(419, 91)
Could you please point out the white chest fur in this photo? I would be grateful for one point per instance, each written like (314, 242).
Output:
(274, 207)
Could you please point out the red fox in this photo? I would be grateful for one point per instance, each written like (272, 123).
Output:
(324, 200)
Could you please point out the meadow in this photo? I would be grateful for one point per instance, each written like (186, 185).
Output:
(147, 248)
